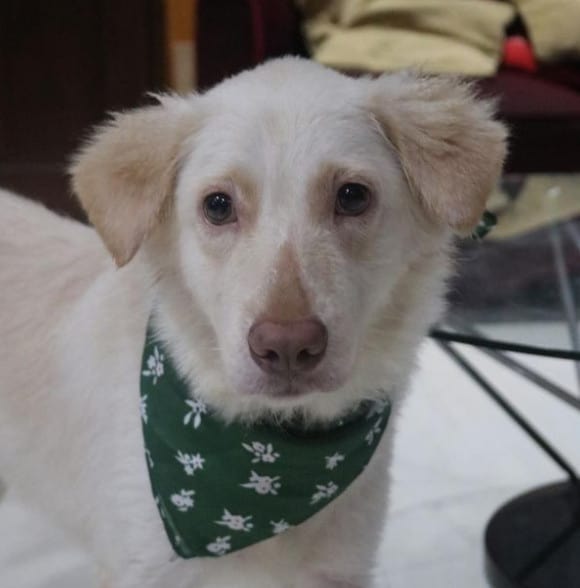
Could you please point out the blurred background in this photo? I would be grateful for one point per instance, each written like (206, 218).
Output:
(65, 64)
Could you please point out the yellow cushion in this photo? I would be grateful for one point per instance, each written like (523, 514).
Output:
(553, 26)
(438, 36)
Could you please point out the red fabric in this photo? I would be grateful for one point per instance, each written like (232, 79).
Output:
(518, 53)
(565, 74)
(522, 95)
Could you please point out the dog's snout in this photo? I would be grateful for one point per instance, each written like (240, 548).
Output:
(288, 347)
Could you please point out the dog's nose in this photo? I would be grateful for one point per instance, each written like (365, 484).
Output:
(286, 347)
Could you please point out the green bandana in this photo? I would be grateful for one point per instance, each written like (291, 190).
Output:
(222, 487)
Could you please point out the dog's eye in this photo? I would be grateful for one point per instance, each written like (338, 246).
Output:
(352, 199)
(219, 209)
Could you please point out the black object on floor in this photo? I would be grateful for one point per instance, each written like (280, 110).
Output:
(534, 540)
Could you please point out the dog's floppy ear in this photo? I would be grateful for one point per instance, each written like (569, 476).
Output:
(124, 175)
(450, 147)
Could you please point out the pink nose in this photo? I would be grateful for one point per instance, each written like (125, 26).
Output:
(287, 347)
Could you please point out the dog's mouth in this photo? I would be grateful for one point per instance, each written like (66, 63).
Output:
(290, 389)
(294, 387)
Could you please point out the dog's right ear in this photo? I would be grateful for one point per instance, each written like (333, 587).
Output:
(124, 175)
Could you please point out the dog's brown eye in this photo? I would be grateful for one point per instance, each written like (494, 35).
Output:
(352, 199)
(219, 209)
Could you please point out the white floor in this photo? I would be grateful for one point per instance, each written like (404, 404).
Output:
(458, 458)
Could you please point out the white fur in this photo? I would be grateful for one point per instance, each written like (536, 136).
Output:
(72, 325)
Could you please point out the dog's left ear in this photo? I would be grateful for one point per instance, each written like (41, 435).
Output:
(124, 175)
(450, 147)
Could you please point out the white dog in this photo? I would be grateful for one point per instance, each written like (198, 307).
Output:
(289, 231)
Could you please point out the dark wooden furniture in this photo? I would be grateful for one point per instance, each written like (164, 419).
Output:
(63, 66)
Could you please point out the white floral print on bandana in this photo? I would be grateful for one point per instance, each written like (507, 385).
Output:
(332, 461)
(155, 366)
(143, 407)
(324, 492)
(262, 452)
(263, 484)
(236, 522)
(183, 500)
(190, 462)
(374, 432)
(378, 408)
(220, 546)
(197, 408)
(279, 526)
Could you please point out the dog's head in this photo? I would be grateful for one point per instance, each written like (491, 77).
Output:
(297, 220)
